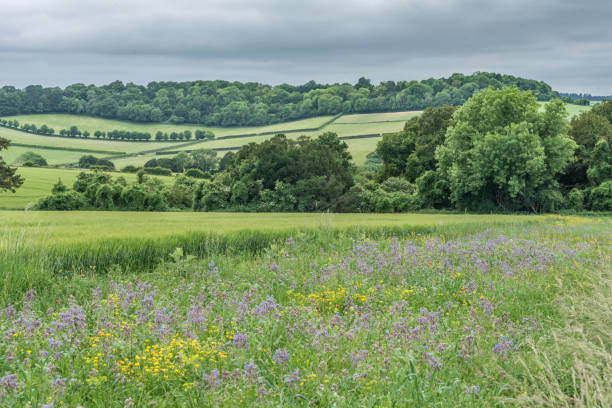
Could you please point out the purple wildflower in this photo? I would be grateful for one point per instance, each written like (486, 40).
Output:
(281, 357)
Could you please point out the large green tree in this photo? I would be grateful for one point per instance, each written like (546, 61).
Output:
(9, 180)
(503, 154)
(410, 152)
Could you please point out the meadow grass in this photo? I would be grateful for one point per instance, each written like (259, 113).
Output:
(459, 314)
(53, 157)
(39, 181)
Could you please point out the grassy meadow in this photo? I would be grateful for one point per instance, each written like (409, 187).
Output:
(102, 309)
(53, 157)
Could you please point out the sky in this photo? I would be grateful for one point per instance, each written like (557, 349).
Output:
(566, 43)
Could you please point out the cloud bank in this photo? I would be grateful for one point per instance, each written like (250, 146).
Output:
(58, 42)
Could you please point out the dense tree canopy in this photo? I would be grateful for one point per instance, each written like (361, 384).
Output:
(224, 103)
(283, 175)
(411, 152)
(501, 153)
(9, 180)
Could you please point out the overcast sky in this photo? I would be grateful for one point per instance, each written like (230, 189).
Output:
(567, 43)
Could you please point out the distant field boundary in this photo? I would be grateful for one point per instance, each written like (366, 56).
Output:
(272, 132)
(372, 121)
(225, 149)
(68, 149)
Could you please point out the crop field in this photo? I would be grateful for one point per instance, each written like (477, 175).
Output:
(176, 309)
(38, 184)
(378, 117)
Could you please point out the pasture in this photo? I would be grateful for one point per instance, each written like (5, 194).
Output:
(53, 157)
(304, 309)
(64, 121)
(377, 117)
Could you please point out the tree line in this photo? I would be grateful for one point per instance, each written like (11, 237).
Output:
(74, 131)
(224, 103)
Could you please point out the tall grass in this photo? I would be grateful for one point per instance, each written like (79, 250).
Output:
(30, 258)
(573, 367)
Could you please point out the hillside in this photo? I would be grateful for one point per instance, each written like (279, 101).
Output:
(223, 103)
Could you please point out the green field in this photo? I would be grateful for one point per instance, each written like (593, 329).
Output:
(38, 184)
(378, 117)
(82, 226)
(94, 144)
(64, 121)
(572, 110)
(346, 125)
(53, 157)
(176, 309)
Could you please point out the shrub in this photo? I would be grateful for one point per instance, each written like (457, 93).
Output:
(31, 159)
(63, 201)
(197, 173)
(158, 171)
(575, 199)
(130, 169)
(601, 197)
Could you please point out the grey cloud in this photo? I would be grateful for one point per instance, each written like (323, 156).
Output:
(566, 43)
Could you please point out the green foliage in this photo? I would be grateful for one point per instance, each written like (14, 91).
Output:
(100, 191)
(601, 197)
(62, 201)
(130, 169)
(9, 180)
(411, 152)
(59, 187)
(285, 175)
(373, 161)
(502, 154)
(89, 161)
(575, 199)
(223, 103)
(31, 159)
(159, 171)
(197, 173)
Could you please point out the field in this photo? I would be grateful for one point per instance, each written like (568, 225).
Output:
(378, 117)
(53, 157)
(64, 121)
(572, 110)
(346, 125)
(38, 184)
(104, 309)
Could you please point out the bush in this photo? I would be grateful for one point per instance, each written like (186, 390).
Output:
(158, 171)
(601, 197)
(575, 199)
(64, 201)
(31, 159)
(197, 173)
(89, 161)
(130, 169)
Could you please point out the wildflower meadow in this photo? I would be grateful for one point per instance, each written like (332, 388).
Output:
(496, 317)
